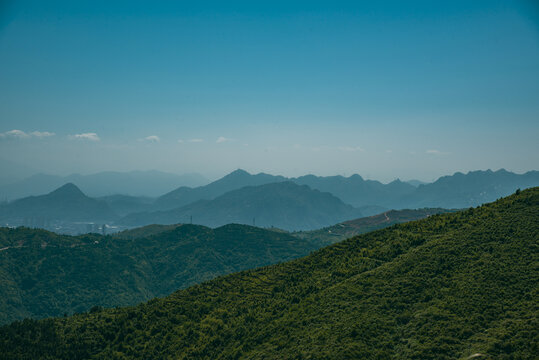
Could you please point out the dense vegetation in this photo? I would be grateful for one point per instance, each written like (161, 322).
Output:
(446, 287)
(338, 232)
(44, 274)
(144, 231)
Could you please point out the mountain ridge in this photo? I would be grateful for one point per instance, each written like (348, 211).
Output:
(445, 192)
(284, 204)
(150, 183)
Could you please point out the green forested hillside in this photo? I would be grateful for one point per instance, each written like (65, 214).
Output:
(447, 287)
(338, 232)
(144, 231)
(44, 274)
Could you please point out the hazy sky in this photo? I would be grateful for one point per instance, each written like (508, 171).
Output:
(386, 89)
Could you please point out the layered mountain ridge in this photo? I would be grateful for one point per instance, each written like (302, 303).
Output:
(244, 198)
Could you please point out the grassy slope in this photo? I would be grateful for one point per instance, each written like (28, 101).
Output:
(441, 288)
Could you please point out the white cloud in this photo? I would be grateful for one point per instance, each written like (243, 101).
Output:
(19, 134)
(15, 134)
(42, 134)
(351, 148)
(389, 151)
(222, 139)
(152, 138)
(85, 136)
(180, 141)
(195, 140)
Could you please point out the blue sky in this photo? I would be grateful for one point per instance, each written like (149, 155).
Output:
(392, 89)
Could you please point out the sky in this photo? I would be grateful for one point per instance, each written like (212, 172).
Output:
(385, 89)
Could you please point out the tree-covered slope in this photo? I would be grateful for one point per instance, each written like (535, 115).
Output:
(338, 232)
(144, 231)
(447, 287)
(45, 274)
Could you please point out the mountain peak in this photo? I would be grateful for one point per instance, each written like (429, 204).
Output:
(68, 189)
(238, 173)
(356, 177)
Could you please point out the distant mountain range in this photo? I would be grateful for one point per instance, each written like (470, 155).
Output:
(284, 205)
(454, 191)
(464, 190)
(356, 191)
(135, 183)
(352, 190)
(66, 203)
(303, 203)
(185, 195)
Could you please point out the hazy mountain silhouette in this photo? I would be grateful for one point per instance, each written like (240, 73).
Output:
(66, 203)
(233, 181)
(356, 191)
(454, 191)
(369, 196)
(464, 190)
(285, 205)
(288, 207)
(352, 190)
(135, 183)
